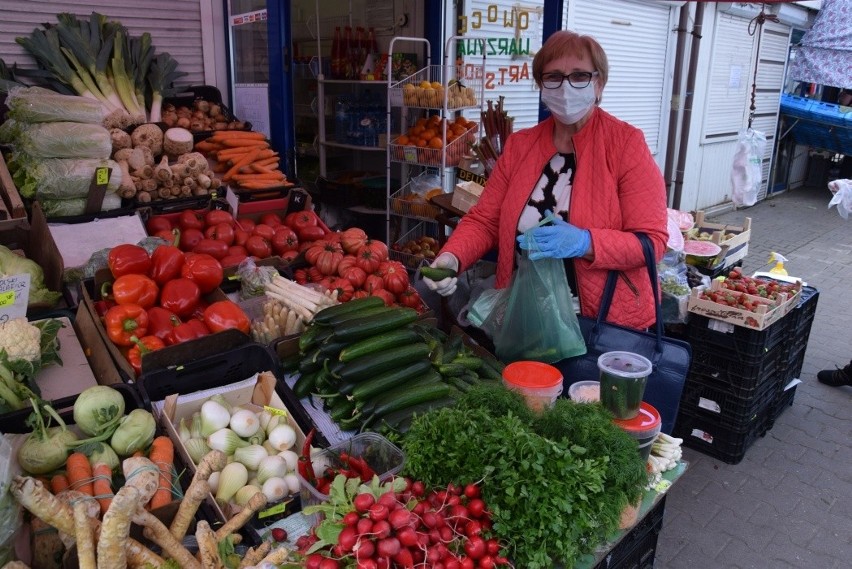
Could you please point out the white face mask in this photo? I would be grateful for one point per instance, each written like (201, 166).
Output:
(569, 104)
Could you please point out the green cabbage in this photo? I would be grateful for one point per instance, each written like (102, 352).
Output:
(64, 140)
(76, 206)
(34, 105)
(63, 178)
(12, 264)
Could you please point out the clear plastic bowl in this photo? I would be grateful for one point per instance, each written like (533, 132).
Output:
(585, 391)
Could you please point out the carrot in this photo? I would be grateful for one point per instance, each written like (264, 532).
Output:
(258, 176)
(268, 162)
(138, 454)
(58, 483)
(205, 146)
(264, 185)
(163, 455)
(230, 134)
(103, 485)
(79, 473)
(243, 142)
(261, 169)
(247, 159)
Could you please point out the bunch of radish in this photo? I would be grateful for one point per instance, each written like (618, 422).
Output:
(445, 528)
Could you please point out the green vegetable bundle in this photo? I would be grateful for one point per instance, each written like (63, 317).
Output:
(556, 484)
(37, 105)
(76, 206)
(62, 178)
(12, 264)
(63, 140)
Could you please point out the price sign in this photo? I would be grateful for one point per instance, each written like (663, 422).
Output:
(102, 176)
(14, 296)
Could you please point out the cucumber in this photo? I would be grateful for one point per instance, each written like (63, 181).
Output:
(341, 409)
(390, 379)
(437, 274)
(310, 362)
(326, 314)
(451, 348)
(313, 335)
(399, 337)
(452, 370)
(373, 364)
(290, 364)
(369, 311)
(489, 369)
(369, 406)
(330, 349)
(305, 385)
(367, 326)
(470, 362)
(413, 396)
(393, 419)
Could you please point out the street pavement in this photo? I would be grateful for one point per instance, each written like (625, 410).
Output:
(788, 503)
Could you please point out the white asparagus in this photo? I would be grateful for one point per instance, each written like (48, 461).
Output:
(115, 530)
(293, 295)
(290, 323)
(306, 292)
(301, 310)
(84, 536)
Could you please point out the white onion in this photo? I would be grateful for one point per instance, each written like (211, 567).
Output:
(214, 481)
(271, 467)
(244, 494)
(291, 458)
(275, 489)
(245, 423)
(282, 437)
(234, 476)
(292, 483)
(214, 416)
(250, 456)
(226, 441)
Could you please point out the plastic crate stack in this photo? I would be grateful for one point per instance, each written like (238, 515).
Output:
(639, 547)
(734, 383)
(799, 322)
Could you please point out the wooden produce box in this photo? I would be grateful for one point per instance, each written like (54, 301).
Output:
(768, 312)
(466, 195)
(256, 392)
(12, 211)
(734, 247)
(92, 342)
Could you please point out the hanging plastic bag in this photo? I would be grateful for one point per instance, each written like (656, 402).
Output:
(747, 170)
(254, 278)
(539, 322)
(842, 198)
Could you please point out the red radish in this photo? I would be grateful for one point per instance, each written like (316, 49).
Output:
(388, 547)
(400, 518)
(381, 529)
(348, 538)
(475, 547)
(363, 502)
(364, 549)
(379, 512)
(364, 526)
(471, 491)
(329, 563)
(407, 537)
(351, 518)
(366, 564)
(313, 561)
(279, 534)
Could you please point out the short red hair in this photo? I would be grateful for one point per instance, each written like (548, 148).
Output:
(566, 42)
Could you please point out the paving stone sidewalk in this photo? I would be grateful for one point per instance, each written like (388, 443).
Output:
(788, 504)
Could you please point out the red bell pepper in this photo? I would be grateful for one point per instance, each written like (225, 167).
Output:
(161, 322)
(180, 296)
(124, 321)
(134, 289)
(192, 329)
(204, 270)
(226, 314)
(128, 258)
(166, 262)
(141, 347)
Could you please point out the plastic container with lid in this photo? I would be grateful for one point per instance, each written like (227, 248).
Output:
(585, 391)
(644, 427)
(539, 383)
(623, 377)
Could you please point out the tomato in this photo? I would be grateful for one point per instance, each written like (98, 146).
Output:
(299, 219)
(189, 238)
(180, 296)
(368, 261)
(385, 295)
(189, 219)
(246, 224)
(224, 315)
(265, 231)
(344, 288)
(241, 236)
(353, 239)
(158, 223)
(373, 283)
(217, 216)
(223, 232)
(271, 219)
(355, 275)
(346, 262)
(284, 239)
(258, 246)
(310, 233)
(289, 256)
(377, 248)
(203, 270)
(395, 277)
(410, 298)
(230, 260)
(212, 247)
(237, 250)
(325, 256)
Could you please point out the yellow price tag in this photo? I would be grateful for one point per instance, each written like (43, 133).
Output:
(274, 411)
(102, 176)
(276, 509)
(7, 298)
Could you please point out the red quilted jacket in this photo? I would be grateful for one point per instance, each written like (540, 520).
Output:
(617, 189)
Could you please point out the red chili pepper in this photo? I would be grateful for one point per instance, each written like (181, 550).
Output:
(180, 296)
(128, 258)
(143, 346)
(161, 322)
(204, 270)
(306, 467)
(189, 330)
(167, 262)
(124, 321)
(362, 468)
(134, 289)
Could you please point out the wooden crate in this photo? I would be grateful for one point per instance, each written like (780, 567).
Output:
(734, 248)
(12, 211)
(768, 311)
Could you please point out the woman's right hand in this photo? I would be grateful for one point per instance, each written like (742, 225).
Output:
(447, 286)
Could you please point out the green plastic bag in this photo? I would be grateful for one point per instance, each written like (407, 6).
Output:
(539, 322)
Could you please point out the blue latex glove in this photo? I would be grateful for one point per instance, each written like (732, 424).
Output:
(560, 240)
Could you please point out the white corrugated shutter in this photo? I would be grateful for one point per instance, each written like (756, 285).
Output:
(636, 36)
(174, 25)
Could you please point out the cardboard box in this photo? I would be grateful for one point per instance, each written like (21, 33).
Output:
(77, 241)
(74, 375)
(35, 242)
(257, 392)
(768, 311)
(732, 239)
(466, 195)
(12, 211)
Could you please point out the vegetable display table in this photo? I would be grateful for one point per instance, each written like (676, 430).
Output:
(636, 546)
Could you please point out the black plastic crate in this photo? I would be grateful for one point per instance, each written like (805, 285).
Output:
(709, 437)
(790, 366)
(350, 189)
(800, 319)
(638, 548)
(783, 402)
(724, 405)
(15, 422)
(746, 345)
(721, 368)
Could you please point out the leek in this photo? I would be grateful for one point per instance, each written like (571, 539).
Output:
(141, 55)
(161, 76)
(123, 84)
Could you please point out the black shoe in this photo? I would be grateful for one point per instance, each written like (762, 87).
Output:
(836, 377)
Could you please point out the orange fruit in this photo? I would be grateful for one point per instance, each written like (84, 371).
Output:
(421, 142)
(428, 133)
(417, 130)
(402, 140)
(436, 142)
(421, 122)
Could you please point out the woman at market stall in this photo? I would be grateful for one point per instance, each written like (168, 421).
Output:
(591, 169)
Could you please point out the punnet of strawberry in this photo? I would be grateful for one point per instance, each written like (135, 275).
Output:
(399, 524)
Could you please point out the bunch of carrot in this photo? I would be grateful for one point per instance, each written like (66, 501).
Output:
(96, 479)
(244, 158)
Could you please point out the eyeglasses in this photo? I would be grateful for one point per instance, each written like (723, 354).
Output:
(577, 79)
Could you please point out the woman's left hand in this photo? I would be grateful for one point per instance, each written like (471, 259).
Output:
(560, 240)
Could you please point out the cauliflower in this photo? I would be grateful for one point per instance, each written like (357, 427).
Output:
(21, 340)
